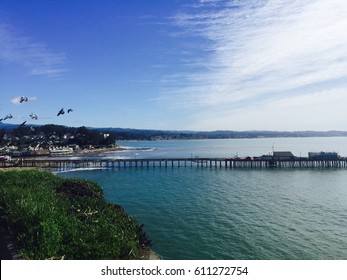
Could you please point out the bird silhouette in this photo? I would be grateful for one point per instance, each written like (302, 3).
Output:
(61, 112)
(23, 99)
(70, 110)
(8, 116)
(33, 116)
(22, 124)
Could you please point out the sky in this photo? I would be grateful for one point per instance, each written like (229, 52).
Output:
(175, 65)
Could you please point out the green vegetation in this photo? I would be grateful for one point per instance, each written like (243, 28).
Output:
(49, 135)
(56, 218)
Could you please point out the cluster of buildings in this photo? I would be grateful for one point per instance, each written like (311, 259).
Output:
(287, 155)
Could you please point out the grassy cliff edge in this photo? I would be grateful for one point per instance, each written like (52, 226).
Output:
(51, 217)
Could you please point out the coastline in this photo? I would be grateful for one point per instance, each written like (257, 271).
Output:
(102, 151)
(97, 151)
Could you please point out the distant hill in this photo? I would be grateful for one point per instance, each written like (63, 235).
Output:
(6, 126)
(145, 134)
(9, 127)
(149, 134)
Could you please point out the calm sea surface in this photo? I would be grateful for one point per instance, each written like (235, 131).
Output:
(219, 213)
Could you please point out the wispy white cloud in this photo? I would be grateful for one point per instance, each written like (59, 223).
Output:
(298, 112)
(35, 56)
(263, 52)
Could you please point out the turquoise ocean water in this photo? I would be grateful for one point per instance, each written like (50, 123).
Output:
(218, 213)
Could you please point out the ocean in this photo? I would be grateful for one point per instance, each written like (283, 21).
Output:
(208, 213)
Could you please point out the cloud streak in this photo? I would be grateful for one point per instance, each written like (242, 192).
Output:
(263, 52)
(36, 57)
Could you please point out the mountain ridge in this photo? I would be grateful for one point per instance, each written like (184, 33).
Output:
(156, 134)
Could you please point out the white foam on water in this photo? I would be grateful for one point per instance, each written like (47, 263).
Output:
(79, 169)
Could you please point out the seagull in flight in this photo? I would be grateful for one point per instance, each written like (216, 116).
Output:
(61, 112)
(22, 124)
(33, 116)
(70, 110)
(23, 99)
(8, 116)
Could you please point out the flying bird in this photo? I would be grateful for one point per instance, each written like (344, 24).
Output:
(23, 99)
(33, 116)
(22, 124)
(8, 116)
(61, 112)
(70, 110)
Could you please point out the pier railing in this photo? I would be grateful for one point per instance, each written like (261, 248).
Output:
(63, 164)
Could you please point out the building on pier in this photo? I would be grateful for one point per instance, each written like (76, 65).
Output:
(323, 156)
(283, 155)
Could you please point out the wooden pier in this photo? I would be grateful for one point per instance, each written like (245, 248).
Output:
(66, 164)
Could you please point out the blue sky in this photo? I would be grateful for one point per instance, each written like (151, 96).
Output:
(182, 65)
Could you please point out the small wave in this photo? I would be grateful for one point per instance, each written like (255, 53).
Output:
(137, 148)
(114, 157)
(75, 158)
(79, 169)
